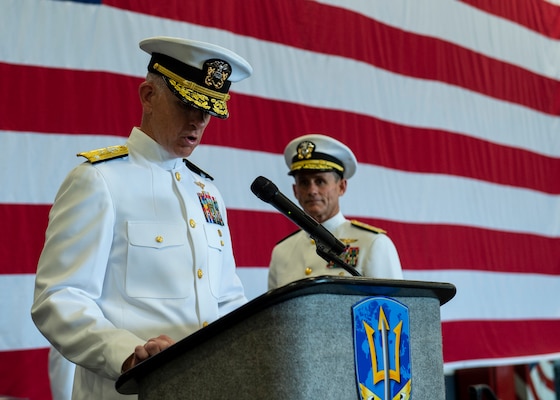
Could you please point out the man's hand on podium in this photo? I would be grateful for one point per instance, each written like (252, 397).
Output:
(151, 347)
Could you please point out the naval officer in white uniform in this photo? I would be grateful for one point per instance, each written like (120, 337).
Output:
(321, 167)
(138, 251)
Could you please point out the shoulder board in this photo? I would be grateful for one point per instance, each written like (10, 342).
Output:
(104, 154)
(289, 236)
(367, 227)
(197, 170)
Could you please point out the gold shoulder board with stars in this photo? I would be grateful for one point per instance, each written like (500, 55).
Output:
(367, 227)
(104, 154)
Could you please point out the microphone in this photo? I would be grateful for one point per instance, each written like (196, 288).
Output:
(269, 193)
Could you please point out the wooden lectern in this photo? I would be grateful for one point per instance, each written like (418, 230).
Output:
(295, 342)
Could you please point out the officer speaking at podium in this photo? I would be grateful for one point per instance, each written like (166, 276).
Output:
(138, 252)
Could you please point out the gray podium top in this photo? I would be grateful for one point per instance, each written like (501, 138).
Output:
(129, 382)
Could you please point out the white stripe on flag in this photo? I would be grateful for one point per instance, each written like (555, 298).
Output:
(17, 330)
(508, 294)
(407, 197)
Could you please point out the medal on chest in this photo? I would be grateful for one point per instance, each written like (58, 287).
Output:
(349, 256)
(210, 206)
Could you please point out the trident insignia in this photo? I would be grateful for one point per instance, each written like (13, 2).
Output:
(383, 354)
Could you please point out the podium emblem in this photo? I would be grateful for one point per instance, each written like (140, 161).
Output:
(382, 349)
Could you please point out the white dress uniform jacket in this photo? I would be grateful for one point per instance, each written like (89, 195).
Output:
(130, 255)
(373, 255)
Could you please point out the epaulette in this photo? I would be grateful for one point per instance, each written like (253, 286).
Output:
(104, 154)
(197, 170)
(367, 227)
(289, 236)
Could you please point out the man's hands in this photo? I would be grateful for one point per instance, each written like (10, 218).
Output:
(151, 347)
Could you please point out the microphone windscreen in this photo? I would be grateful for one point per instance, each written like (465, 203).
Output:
(264, 189)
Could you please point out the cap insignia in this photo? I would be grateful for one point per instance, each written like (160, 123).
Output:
(217, 72)
(309, 160)
(305, 150)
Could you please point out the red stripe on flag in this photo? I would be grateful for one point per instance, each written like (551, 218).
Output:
(22, 236)
(50, 100)
(482, 340)
(113, 108)
(538, 15)
(387, 144)
(440, 247)
(325, 29)
(420, 246)
(31, 381)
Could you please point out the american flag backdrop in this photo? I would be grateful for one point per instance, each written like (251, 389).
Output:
(452, 108)
(538, 382)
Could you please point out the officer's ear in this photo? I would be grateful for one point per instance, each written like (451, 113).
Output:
(342, 186)
(146, 92)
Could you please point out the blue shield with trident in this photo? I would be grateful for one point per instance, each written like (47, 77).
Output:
(382, 349)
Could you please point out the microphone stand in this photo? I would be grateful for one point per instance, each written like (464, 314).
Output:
(327, 254)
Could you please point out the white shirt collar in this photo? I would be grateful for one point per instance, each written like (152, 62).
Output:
(152, 151)
(334, 222)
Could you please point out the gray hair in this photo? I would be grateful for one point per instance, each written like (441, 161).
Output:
(156, 79)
